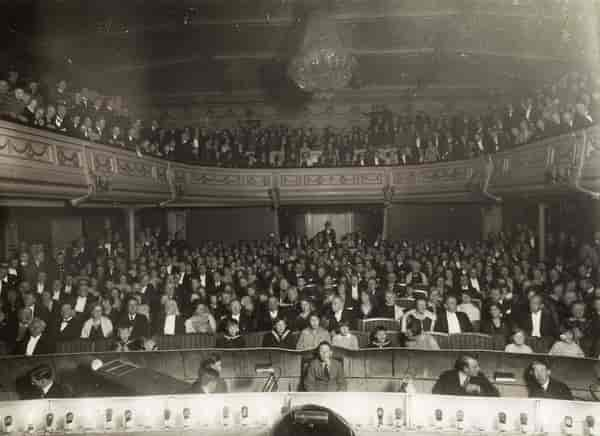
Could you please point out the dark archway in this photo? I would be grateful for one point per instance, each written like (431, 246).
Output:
(312, 420)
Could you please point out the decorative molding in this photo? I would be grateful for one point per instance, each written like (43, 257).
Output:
(25, 149)
(369, 179)
(67, 157)
(133, 168)
(215, 179)
(552, 166)
(102, 163)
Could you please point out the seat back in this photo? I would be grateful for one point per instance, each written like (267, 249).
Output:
(370, 324)
(75, 346)
(442, 339)
(470, 341)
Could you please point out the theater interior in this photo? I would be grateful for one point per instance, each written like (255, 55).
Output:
(299, 217)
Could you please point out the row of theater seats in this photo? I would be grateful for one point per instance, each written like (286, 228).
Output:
(461, 341)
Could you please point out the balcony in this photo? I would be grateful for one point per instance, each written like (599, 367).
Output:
(43, 168)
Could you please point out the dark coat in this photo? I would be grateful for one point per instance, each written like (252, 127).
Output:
(556, 390)
(273, 340)
(449, 384)
(44, 346)
(441, 323)
(231, 342)
(159, 325)
(548, 327)
(140, 324)
(71, 332)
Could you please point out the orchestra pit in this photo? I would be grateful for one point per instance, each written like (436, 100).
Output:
(299, 217)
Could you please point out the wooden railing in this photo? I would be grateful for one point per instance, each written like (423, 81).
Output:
(40, 165)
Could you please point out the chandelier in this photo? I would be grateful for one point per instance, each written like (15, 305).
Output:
(322, 64)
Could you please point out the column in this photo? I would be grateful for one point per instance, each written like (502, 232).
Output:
(386, 217)
(388, 197)
(542, 231)
(276, 223)
(130, 211)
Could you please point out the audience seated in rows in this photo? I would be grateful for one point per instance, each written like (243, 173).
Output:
(302, 292)
(385, 138)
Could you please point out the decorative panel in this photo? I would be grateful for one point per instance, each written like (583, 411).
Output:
(25, 149)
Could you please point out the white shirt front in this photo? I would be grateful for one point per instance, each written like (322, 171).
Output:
(47, 388)
(169, 328)
(31, 344)
(40, 288)
(203, 280)
(536, 324)
(475, 284)
(80, 304)
(453, 324)
(64, 324)
(355, 292)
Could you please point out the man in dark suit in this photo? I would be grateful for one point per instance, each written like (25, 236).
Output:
(270, 315)
(541, 385)
(450, 320)
(236, 313)
(138, 322)
(36, 342)
(538, 322)
(338, 314)
(207, 383)
(324, 374)
(465, 379)
(42, 379)
(69, 326)
(169, 322)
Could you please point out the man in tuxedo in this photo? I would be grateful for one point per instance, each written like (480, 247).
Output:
(269, 316)
(235, 313)
(338, 314)
(450, 320)
(36, 341)
(42, 379)
(69, 326)
(42, 282)
(325, 374)
(541, 385)
(138, 322)
(466, 379)
(537, 322)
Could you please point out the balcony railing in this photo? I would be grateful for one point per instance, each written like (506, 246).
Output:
(40, 165)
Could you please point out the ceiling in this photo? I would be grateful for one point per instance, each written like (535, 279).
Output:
(179, 50)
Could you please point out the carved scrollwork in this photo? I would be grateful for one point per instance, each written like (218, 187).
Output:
(103, 163)
(25, 149)
(30, 149)
(67, 158)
